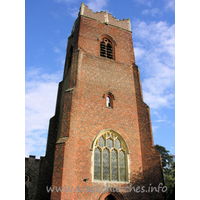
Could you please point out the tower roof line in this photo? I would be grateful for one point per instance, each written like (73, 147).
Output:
(105, 17)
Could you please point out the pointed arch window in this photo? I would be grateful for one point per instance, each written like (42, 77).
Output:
(106, 48)
(109, 97)
(110, 157)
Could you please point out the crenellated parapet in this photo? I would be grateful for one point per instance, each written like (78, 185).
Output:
(105, 17)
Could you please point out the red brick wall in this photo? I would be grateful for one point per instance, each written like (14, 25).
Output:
(91, 30)
(82, 119)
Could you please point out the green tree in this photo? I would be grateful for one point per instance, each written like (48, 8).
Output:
(168, 164)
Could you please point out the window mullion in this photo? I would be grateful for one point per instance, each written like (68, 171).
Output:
(118, 171)
(110, 163)
(106, 51)
(126, 164)
(101, 165)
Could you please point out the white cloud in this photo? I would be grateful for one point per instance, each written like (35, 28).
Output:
(140, 52)
(60, 53)
(73, 12)
(154, 128)
(160, 120)
(40, 97)
(170, 5)
(153, 12)
(146, 2)
(97, 5)
(57, 50)
(165, 5)
(154, 51)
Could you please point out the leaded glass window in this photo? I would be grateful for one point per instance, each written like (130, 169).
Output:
(122, 166)
(117, 144)
(114, 168)
(110, 143)
(101, 142)
(110, 157)
(106, 164)
(97, 164)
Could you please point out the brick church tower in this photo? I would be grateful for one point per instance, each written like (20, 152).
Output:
(100, 143)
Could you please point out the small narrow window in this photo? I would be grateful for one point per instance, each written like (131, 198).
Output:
(109, 97)
(108, 102)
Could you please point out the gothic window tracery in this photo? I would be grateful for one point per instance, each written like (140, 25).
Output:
(110, 157)
(106, 48)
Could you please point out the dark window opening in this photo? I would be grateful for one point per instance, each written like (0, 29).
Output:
(110, 197)
(103, 49)
(109, 51)
(106, 49)
(70, 57)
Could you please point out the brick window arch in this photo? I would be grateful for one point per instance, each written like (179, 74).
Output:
(110, 197)
(110, 157)
(109, 97)
(106, 47)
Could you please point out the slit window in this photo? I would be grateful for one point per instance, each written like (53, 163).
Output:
(108, 102)
(109, 97)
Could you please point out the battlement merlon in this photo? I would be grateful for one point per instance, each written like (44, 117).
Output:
(32, 158)
(105, 17)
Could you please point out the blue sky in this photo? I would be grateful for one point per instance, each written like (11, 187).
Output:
(48, 23)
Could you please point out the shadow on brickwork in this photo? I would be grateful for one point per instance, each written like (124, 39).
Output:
(46, 164)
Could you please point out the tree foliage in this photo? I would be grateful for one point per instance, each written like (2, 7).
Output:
(168, 164)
